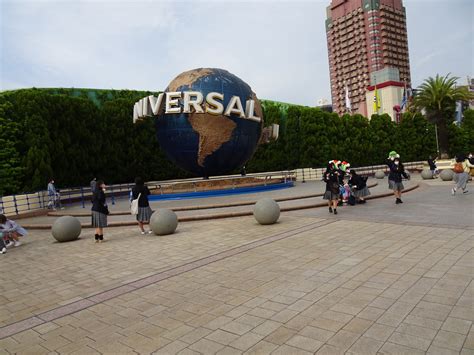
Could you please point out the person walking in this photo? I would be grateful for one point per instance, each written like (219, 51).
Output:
(397, 170)
(141, 192)
(331, 178)
(52, 195)
(358, 186)
(93, 185)
(433, 167)
(461, 171)
(99, 211)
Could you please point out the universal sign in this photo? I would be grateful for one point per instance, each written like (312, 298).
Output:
(193, 102)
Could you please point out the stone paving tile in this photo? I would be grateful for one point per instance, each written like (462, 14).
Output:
(365, 346)
(411, 341)
(246, 341)
(397, 349)
(262, 347)
(305, 343)
(281, 335)
(379, 332)
(205, 346)
(449, 340)
(343, 339)
(364, 289)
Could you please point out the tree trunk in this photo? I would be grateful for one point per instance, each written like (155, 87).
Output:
(443, 138)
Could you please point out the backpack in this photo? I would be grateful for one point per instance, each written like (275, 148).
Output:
(351, 200)
(458, 168)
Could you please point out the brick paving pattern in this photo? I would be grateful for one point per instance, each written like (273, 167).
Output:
(373, 280)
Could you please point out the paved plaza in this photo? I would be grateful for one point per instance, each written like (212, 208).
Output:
(377, 278)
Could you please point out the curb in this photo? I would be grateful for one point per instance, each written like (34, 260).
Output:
(223, 215)
(202, 207)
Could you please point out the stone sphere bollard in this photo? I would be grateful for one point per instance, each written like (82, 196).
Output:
(163, 222)
(426, 174)
(446, 175)
(266, 211)
(379, 174)
(66, 229)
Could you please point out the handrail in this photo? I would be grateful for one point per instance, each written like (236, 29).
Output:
(39, 200)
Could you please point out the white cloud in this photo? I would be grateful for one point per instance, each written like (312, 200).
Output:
(278, 47)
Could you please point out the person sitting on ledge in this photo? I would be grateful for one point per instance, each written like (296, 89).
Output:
(11, 231)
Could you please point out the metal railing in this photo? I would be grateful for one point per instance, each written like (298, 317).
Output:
(40, 200)
(312, 174)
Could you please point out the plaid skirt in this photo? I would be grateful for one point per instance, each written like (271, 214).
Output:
(144, 214)
(361, 193)
(328, 195)
(395, 186)
(99, 220)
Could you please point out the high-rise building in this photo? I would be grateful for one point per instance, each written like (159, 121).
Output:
(364, 36)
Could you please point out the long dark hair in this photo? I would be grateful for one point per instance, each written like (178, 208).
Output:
(139, 184)
(98, 183)
(460, 157)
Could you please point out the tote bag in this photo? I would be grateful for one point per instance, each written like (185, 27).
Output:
(134, 205)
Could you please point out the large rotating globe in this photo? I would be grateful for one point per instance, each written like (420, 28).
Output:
(207, 144)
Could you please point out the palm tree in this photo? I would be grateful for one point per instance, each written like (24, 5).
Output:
(436, 98)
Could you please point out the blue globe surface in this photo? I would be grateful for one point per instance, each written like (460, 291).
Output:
(206, 144)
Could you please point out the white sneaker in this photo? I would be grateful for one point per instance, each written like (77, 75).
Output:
(142, 233)
(17, 243)
(149, 232)
(9, 244)
(3, 251)
(453, 191)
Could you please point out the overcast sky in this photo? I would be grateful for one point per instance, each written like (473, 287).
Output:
(277, 47)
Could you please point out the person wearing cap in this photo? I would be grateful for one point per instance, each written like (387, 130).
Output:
(397, 170)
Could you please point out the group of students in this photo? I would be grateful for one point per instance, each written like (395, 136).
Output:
(356, 189)
(338, 190)
(100, 210)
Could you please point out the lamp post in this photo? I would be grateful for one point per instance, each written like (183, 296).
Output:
(436, 135)
(299, 147)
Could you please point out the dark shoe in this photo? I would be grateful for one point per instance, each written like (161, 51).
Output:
(397, 201)
(400, 200)
(330, 209)
(96, 238)
(465, 192)
(335, 211)
(101, 238)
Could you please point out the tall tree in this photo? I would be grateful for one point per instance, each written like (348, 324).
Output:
(437, 97)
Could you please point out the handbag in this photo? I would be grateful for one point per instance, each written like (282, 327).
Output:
(134, 205)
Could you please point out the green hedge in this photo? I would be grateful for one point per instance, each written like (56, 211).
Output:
(75, 134)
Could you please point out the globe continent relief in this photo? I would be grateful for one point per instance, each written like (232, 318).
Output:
(207, 144)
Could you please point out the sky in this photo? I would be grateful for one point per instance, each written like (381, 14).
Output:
(278, 47)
